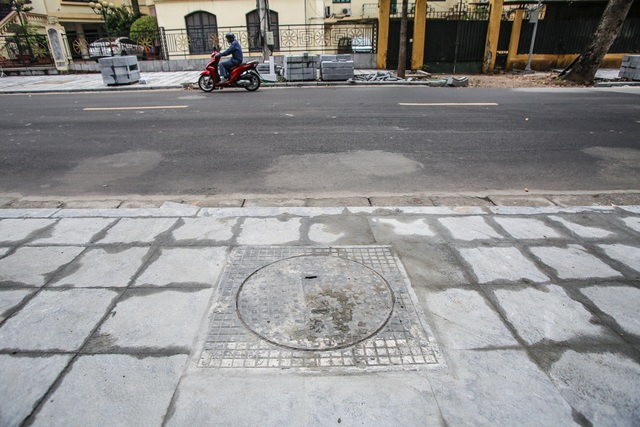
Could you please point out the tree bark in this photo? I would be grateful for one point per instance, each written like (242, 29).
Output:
(591, 57)
(135, 6)
(402, 53)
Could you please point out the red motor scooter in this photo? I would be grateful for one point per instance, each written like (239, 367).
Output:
(243, 75)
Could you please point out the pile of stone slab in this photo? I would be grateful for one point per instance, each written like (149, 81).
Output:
(630, 68)
(389, 76)
(336, 67)
(298, 68)
(378, 76)
(263, 68)
(119, 70)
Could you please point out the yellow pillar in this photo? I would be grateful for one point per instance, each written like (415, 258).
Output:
(384, 8)
(419, 28)
(515, 38)
(491, 47)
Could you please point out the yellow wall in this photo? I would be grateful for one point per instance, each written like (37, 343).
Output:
(356, 7)
(546, 62)
(39, 7)
(370, 9)
(229, 13)
(66, 11)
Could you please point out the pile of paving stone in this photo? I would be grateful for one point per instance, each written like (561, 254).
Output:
(300, 67)
(630, 68)
(336, 67)
(378, 76)
(389, 76)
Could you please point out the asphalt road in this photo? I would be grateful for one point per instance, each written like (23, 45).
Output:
(320, 141)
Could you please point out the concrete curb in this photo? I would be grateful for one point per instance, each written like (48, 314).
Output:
(607, 200)
(194, 85)
(616, 84)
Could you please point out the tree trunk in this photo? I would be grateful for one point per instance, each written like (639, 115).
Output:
(591, 57)
(402, 53)
(135, 6)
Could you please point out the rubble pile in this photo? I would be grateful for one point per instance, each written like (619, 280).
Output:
(378, 76)
(419, 76)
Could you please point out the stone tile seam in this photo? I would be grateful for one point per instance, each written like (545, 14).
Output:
(200, 337)
(63, 373)
(331, 213)
(54, 386)
(617, 226)
(419, 310)
(606, 319)
(506, 242)
(38, 289)
(579, 298)
(526, 243)
(314, 211)
(622, 236)
(530, 350)
(33, 235)
(628, 272)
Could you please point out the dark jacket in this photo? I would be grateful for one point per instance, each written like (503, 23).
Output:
(234, 50)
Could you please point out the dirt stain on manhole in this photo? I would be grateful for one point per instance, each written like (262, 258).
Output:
(315, 303)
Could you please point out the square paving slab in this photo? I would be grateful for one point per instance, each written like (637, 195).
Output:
(312, 307)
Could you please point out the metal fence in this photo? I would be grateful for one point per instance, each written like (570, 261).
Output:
(321, 38)
(184, 42)
(25, 50)
(79, 44)
(465, 15)
(570, 36)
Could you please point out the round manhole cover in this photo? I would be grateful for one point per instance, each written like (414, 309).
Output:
(315, 302)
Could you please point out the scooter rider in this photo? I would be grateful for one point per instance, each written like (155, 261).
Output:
(236, 56)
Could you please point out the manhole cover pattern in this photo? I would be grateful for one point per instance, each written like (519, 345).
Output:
(248, 318)
(315, 302)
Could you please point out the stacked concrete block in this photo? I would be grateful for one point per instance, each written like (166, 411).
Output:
(339, 57)
(336, 70)
(630, 68)
(263, 68)
(119, 70)
(301, 67)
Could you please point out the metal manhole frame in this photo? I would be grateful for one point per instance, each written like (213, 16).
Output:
(227, 338)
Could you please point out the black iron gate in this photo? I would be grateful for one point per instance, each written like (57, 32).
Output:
(560, 37)
(455, 45)
(393, 48)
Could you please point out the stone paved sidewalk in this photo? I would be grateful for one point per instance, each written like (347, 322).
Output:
(497, 316)
(93, 82)
(174, 80)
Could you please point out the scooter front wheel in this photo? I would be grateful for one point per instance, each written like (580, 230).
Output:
(206, 83)
(254, 82)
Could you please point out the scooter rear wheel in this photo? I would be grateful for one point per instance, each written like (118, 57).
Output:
(254, 83)
(206, 83)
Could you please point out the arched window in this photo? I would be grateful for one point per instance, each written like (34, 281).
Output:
(253, 29)
(202, 29)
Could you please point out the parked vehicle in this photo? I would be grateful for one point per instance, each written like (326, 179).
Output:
(358, 44)
(244, 75)
(344, 45)
(361, 45)
(115, 46)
